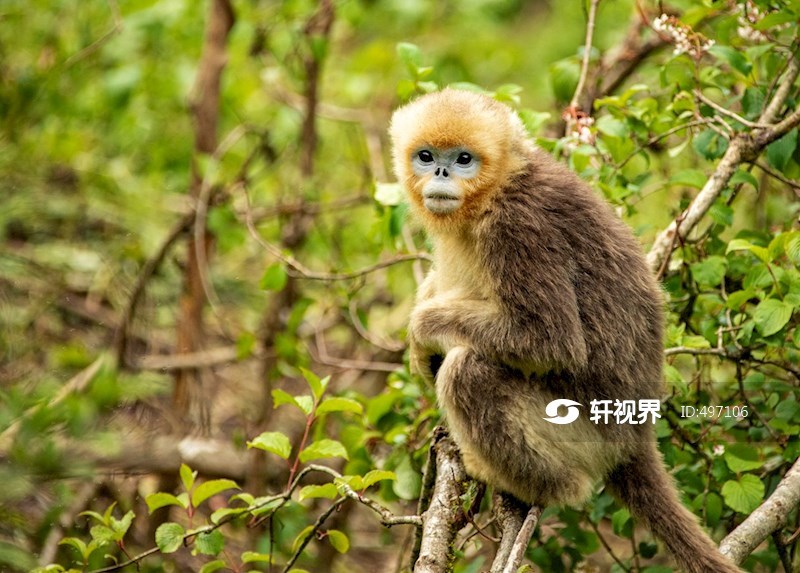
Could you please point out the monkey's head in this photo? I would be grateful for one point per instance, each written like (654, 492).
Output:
(452, 150)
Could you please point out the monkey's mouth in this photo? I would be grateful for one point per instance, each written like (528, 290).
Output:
(441, 202)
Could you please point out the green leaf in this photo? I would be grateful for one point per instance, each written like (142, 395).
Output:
(744, 245)
(564, 76)
(771, 315)
(253, 557)
(410, 55)
(274, 278)
(742, 458)
(793, 249)
(317, 386)
(338, 540)
(211, 488)
(212, 566)
(732, 57)
(612, 126)
(120, 526)
(77, 544)
(711, 271)
(690, 178)
(775, 19)
(324, 448)
(327, 491)
(301, 537)
(675, 379)
(340, 405)
(281, 397)
(374, 476)
(742, 176)
(779, 152)
(276, 442)
(102, 534)
(157, 500)
(709, 144)
(169, 537)
(187, 477)
(743, 495)
(409, 481)
(620, 522)
(210, 543)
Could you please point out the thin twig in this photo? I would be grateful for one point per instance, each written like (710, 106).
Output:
(587, 52)
(314, 528)
(97, 44)
(728, 113)
(522, 540)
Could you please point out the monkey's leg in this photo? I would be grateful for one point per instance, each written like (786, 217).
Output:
(644, 485)
(494, 415)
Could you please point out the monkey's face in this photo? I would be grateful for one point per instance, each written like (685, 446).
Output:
(453, 150)
(442, 173)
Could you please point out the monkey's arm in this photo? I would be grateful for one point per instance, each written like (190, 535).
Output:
(531, 316)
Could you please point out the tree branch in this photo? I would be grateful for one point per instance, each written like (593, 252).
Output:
(441, 521)
(770, 516)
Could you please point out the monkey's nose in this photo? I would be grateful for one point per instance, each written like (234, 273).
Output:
(441, 171)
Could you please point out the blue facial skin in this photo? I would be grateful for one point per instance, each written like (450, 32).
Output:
(447, 167)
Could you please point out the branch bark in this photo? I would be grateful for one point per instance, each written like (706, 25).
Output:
(744, 147)
(444, 516)
(770, 516)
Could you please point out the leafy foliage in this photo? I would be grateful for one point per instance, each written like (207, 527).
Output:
(96, 157)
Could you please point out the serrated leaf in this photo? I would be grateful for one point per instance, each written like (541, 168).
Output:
(210, 543)
(187, 477)
(742, 458)
(211, 488)
(102, 534)
(274, 278)
(374, 476)
(710, 271)
(157, 500)
(771, 315)
(324, 448)
(339, 405)
(338, 540)
(169, 537)
(275, 442)
(212, 566)
(327, 491)
(743, 495)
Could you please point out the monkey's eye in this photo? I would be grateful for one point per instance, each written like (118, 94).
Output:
(425, 156)
(464, 159)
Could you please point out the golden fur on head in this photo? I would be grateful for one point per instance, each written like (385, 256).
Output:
(490, 130)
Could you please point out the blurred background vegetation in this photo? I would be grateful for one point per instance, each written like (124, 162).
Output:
(163, 271)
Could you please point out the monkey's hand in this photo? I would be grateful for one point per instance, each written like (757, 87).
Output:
(423, 360)
(444, 322)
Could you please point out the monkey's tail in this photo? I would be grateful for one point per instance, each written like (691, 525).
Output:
(646, 487)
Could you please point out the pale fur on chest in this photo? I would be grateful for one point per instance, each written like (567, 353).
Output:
(458, 268)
